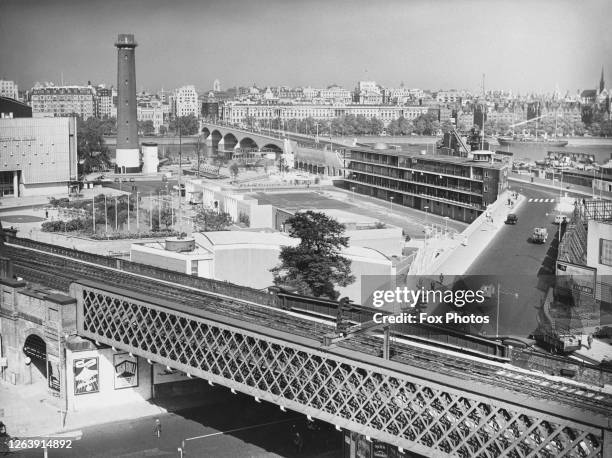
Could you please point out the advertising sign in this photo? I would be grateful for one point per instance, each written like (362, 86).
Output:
(86, 376)
(53, 372)
(126, 370)
(575, 277)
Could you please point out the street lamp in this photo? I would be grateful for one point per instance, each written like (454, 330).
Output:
(426, 208)
(499, 291)
(446, 224)
(353, 189)
(391, 206)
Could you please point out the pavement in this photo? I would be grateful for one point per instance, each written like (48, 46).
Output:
(214, 423)
(543, 183)
(458, 257)
(30, 411)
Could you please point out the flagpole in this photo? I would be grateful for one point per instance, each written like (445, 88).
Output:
(105, 215)
(93, 212)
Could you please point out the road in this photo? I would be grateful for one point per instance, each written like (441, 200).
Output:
(521, 268)
(253, 429)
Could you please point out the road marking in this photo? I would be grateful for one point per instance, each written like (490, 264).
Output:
(538, 201)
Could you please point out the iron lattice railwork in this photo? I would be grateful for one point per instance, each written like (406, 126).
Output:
(394, 407)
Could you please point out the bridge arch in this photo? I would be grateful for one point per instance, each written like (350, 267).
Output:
(248, 143)
(272, 147)
(229, 141)
(216, 137)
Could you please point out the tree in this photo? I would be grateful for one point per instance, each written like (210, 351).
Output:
(91, 148)
(189, 125)
(234, 170)
(212, 220)
(146, 127)
(314, 266)
(163, 130)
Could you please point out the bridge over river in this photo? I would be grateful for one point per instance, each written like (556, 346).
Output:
(421, 398)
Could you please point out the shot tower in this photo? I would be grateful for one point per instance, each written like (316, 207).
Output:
(128, 155)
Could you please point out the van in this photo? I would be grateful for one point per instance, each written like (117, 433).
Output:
(560, 218)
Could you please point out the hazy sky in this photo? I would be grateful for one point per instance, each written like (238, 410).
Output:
(522, 45)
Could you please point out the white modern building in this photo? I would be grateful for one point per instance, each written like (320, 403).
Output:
(186, 101)
(38, 156)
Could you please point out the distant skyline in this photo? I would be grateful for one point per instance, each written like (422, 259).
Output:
(521, 45)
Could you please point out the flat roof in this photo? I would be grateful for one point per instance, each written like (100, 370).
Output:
(433, 157)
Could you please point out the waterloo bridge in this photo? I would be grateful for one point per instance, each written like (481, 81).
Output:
(418, 398)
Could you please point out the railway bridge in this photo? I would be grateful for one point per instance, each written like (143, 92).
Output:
(418, 398)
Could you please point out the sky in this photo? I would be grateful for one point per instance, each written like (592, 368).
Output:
(520, 45)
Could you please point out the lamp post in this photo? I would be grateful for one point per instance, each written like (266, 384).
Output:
(446, 224)
(499, 291)
(105, 215)
(137, 219)
(353, 189)
(426, 208)
(93, 213)
(391, 206)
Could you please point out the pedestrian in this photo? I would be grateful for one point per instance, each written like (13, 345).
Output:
(441, 278)
(590, 341)
(157, 428)
(46, 214)
(298, 441)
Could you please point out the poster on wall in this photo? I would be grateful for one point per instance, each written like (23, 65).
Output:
(53, 373)
(126, 370)
(86, 377)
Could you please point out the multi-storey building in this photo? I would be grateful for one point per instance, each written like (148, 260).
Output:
(336, 94)
(104, 102)
(237, 112)
(9, 89)
(186, 101)
(458, 187)
(57, 101)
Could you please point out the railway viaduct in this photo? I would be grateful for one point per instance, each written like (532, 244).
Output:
(420, 399)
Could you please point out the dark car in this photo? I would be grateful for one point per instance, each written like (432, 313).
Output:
(511, 219)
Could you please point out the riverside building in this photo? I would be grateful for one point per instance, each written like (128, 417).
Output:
(458, 187)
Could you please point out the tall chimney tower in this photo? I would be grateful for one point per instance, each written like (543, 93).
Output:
(128, 154)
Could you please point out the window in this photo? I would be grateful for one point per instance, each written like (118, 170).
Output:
(605, 252)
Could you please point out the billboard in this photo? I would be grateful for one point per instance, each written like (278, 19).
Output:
(86, 376)
(576, 277)
(126, 370)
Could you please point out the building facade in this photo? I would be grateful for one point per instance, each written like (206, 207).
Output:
(186, 101)
(104, 103)
(60, 101)
(38, 156)
(9, 89)
(458, 187)
(236, 113)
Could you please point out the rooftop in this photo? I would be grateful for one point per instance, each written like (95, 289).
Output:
(434, 157)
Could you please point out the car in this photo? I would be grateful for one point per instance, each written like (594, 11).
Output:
(560, 219)
(132, 180)
(511, 219)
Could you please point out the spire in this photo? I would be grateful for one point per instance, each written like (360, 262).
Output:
(601, 81)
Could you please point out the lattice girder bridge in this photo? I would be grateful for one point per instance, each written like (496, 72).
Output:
(398, 404)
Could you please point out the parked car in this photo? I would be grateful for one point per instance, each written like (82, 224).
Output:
(560, 219)
(511, 219)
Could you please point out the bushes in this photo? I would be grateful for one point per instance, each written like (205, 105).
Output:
(244, 219)
(134, 235)
(73, 225)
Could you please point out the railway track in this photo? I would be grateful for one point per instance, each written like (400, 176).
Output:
(58, 272)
